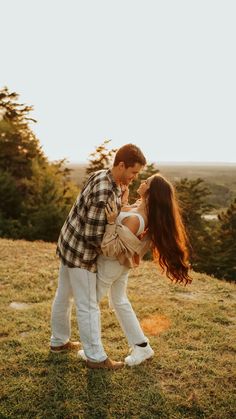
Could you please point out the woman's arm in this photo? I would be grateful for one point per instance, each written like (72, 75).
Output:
(120, 241)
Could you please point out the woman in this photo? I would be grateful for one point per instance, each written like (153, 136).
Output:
(157, 217)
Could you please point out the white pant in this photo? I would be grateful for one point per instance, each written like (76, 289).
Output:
(113, 277)
(78, 285)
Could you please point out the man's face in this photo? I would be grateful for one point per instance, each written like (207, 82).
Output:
(130, 173)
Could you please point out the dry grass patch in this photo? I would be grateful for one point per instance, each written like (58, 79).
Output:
(155, 324)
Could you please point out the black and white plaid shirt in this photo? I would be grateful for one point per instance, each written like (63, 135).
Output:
(81, 235)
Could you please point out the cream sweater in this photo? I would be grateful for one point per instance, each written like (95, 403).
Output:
(120, 243)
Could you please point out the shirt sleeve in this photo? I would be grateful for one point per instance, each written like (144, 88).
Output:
(95, 223)
(119, 242)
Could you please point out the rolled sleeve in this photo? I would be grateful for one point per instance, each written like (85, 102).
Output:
(112, 245)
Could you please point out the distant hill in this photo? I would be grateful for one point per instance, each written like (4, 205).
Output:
(220, 178)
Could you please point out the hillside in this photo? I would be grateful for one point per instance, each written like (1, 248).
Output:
(191, 329)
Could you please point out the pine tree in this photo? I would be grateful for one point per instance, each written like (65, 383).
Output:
(192, 196)
(18, 144)
(101, 158)
(226, 249)
(10, 206)
(49, 200)
(35, 194)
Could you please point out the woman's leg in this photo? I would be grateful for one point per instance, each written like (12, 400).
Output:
(108, 270)
(124, 311)
(113, 277)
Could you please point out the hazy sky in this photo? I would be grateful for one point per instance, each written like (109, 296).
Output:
(158, 73)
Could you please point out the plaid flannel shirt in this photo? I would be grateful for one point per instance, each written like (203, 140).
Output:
(80, 239)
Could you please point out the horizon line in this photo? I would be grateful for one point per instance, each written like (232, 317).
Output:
(173, 162)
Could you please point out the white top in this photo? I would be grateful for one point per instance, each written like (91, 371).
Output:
(124, 214)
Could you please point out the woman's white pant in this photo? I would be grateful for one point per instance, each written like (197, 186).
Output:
(112, 277)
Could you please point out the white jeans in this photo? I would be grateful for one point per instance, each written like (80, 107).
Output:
(113, 277)
(78, 285)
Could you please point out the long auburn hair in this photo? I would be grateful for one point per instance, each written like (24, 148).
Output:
(166, 230)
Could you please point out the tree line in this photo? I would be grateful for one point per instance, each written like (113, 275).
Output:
(36, 194)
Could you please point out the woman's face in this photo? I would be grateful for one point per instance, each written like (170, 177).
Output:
(144, 186)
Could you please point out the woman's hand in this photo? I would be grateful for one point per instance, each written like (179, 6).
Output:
(111, 212)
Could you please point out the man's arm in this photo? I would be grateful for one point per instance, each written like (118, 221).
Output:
(95, 223)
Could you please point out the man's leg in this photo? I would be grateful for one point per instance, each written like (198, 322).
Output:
(83, 284)
(61, 309)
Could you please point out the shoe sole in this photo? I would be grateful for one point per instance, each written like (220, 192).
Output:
(63, 350)
(93, 366)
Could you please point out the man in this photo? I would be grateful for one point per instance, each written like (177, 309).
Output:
(78, 247)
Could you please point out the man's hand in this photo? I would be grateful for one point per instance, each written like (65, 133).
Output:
(138, 202)
(111, 212)
(125, 195)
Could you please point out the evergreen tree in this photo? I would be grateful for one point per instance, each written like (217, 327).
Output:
(36, 195)
(192, 196)
(18, 144)
(50, 196)
(100, 159)
(225, 266)
(10, 202)
(10, 206)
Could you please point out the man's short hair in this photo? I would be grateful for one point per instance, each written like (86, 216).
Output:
(130, 154)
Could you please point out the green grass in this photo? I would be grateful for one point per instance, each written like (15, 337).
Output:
(191, 329)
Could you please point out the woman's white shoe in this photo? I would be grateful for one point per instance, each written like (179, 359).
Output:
(138, 355)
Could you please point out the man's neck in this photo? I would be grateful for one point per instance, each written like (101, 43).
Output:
(115, 176)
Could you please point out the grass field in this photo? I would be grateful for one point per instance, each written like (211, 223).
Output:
(191, 329)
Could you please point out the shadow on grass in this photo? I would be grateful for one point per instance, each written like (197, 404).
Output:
(67, 389)
(61, 386)
(98, 390)
(58, 389)
(73, 391)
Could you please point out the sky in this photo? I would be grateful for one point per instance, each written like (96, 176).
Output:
(157, 73)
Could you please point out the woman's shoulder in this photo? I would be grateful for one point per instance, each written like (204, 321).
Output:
(132, 221)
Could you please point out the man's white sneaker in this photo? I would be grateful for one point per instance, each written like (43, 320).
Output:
(82, 355)
(138, 355)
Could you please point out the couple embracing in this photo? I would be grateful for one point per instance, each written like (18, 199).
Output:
(101, 239)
